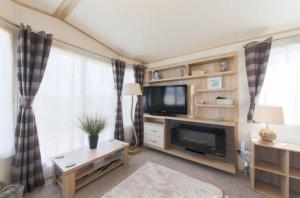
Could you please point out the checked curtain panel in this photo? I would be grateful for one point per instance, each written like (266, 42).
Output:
(32, 55)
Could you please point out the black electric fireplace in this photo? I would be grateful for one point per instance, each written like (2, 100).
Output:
(199, 139)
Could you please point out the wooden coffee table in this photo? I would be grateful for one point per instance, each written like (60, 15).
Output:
(88, 165)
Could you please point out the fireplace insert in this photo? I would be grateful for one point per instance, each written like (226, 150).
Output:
(199, 139)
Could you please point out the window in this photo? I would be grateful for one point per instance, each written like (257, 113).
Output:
(7, 94)
(281, 85)
(74, 85)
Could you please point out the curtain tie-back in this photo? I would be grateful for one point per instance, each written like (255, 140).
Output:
(26, 103)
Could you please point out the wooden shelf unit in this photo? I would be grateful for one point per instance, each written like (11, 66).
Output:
(187, 77)
(162, 122)
(191, 119)
(197, 84)
(275, 169)
(214, 106)
(189, 73)
(215, 90)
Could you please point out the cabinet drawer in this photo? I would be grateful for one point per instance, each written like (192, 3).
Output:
(155, 141)
(157, 130)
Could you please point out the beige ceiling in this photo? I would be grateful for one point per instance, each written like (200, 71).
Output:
(48, 6)
(150, 30)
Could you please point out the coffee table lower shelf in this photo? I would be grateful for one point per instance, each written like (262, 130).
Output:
(84, 181)
(89, 166)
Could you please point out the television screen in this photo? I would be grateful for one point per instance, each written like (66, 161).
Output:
(165, 100)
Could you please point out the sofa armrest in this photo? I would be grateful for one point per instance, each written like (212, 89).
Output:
(12, 191)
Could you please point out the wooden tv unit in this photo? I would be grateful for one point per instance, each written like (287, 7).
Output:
(202, 105)
(156, 136)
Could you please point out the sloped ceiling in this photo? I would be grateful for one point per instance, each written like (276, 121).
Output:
(151, 30)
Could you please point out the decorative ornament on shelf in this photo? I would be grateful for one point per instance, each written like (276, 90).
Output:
(268, 115)
(214, 83)
(157, 75)
(224, 65)
(223, 101)
(182, 72)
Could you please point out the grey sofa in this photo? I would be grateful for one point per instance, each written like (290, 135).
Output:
(11, 191)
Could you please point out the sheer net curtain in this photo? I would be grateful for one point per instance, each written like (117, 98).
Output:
(73, 86)
(7, 94)
(281, 85)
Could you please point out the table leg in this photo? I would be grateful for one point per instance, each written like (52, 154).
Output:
(125, 156)
(69, 185)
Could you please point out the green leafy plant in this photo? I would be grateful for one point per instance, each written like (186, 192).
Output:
(93, 125)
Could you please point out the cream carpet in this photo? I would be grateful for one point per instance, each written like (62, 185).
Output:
(156, 181)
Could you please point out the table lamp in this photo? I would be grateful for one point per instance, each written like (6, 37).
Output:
(132, 89)
(268, 115)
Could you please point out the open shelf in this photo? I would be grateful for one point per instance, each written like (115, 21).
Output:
(271, 160)
(96, 174)
(294, 165)
(227, 56)
(193, 119)
(294, 194)
(229, 167)
(268, 189)
(295, 173)
(270, 184)
(215, 106)
(215, 90)
(269, 167)
(294, 188)
(95, 167)
(193, 76)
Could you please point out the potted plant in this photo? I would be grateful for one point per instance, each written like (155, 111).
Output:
(93, 126)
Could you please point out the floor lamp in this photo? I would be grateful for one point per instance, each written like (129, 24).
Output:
(132, 89)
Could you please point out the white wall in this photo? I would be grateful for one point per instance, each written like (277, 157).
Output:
(285, 133)
(60, 30)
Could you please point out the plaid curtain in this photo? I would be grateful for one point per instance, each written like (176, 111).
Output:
(257, 56)
(32, 55)
(139, 72)
(118, 71)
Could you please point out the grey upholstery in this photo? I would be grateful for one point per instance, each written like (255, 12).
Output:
(11, 191)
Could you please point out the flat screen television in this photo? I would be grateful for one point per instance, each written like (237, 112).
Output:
(165, 100)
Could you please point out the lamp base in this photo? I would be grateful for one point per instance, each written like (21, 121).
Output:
(133, 150)
(267, 135)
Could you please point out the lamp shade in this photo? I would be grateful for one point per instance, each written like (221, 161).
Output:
(132, 89)
(268, 114)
